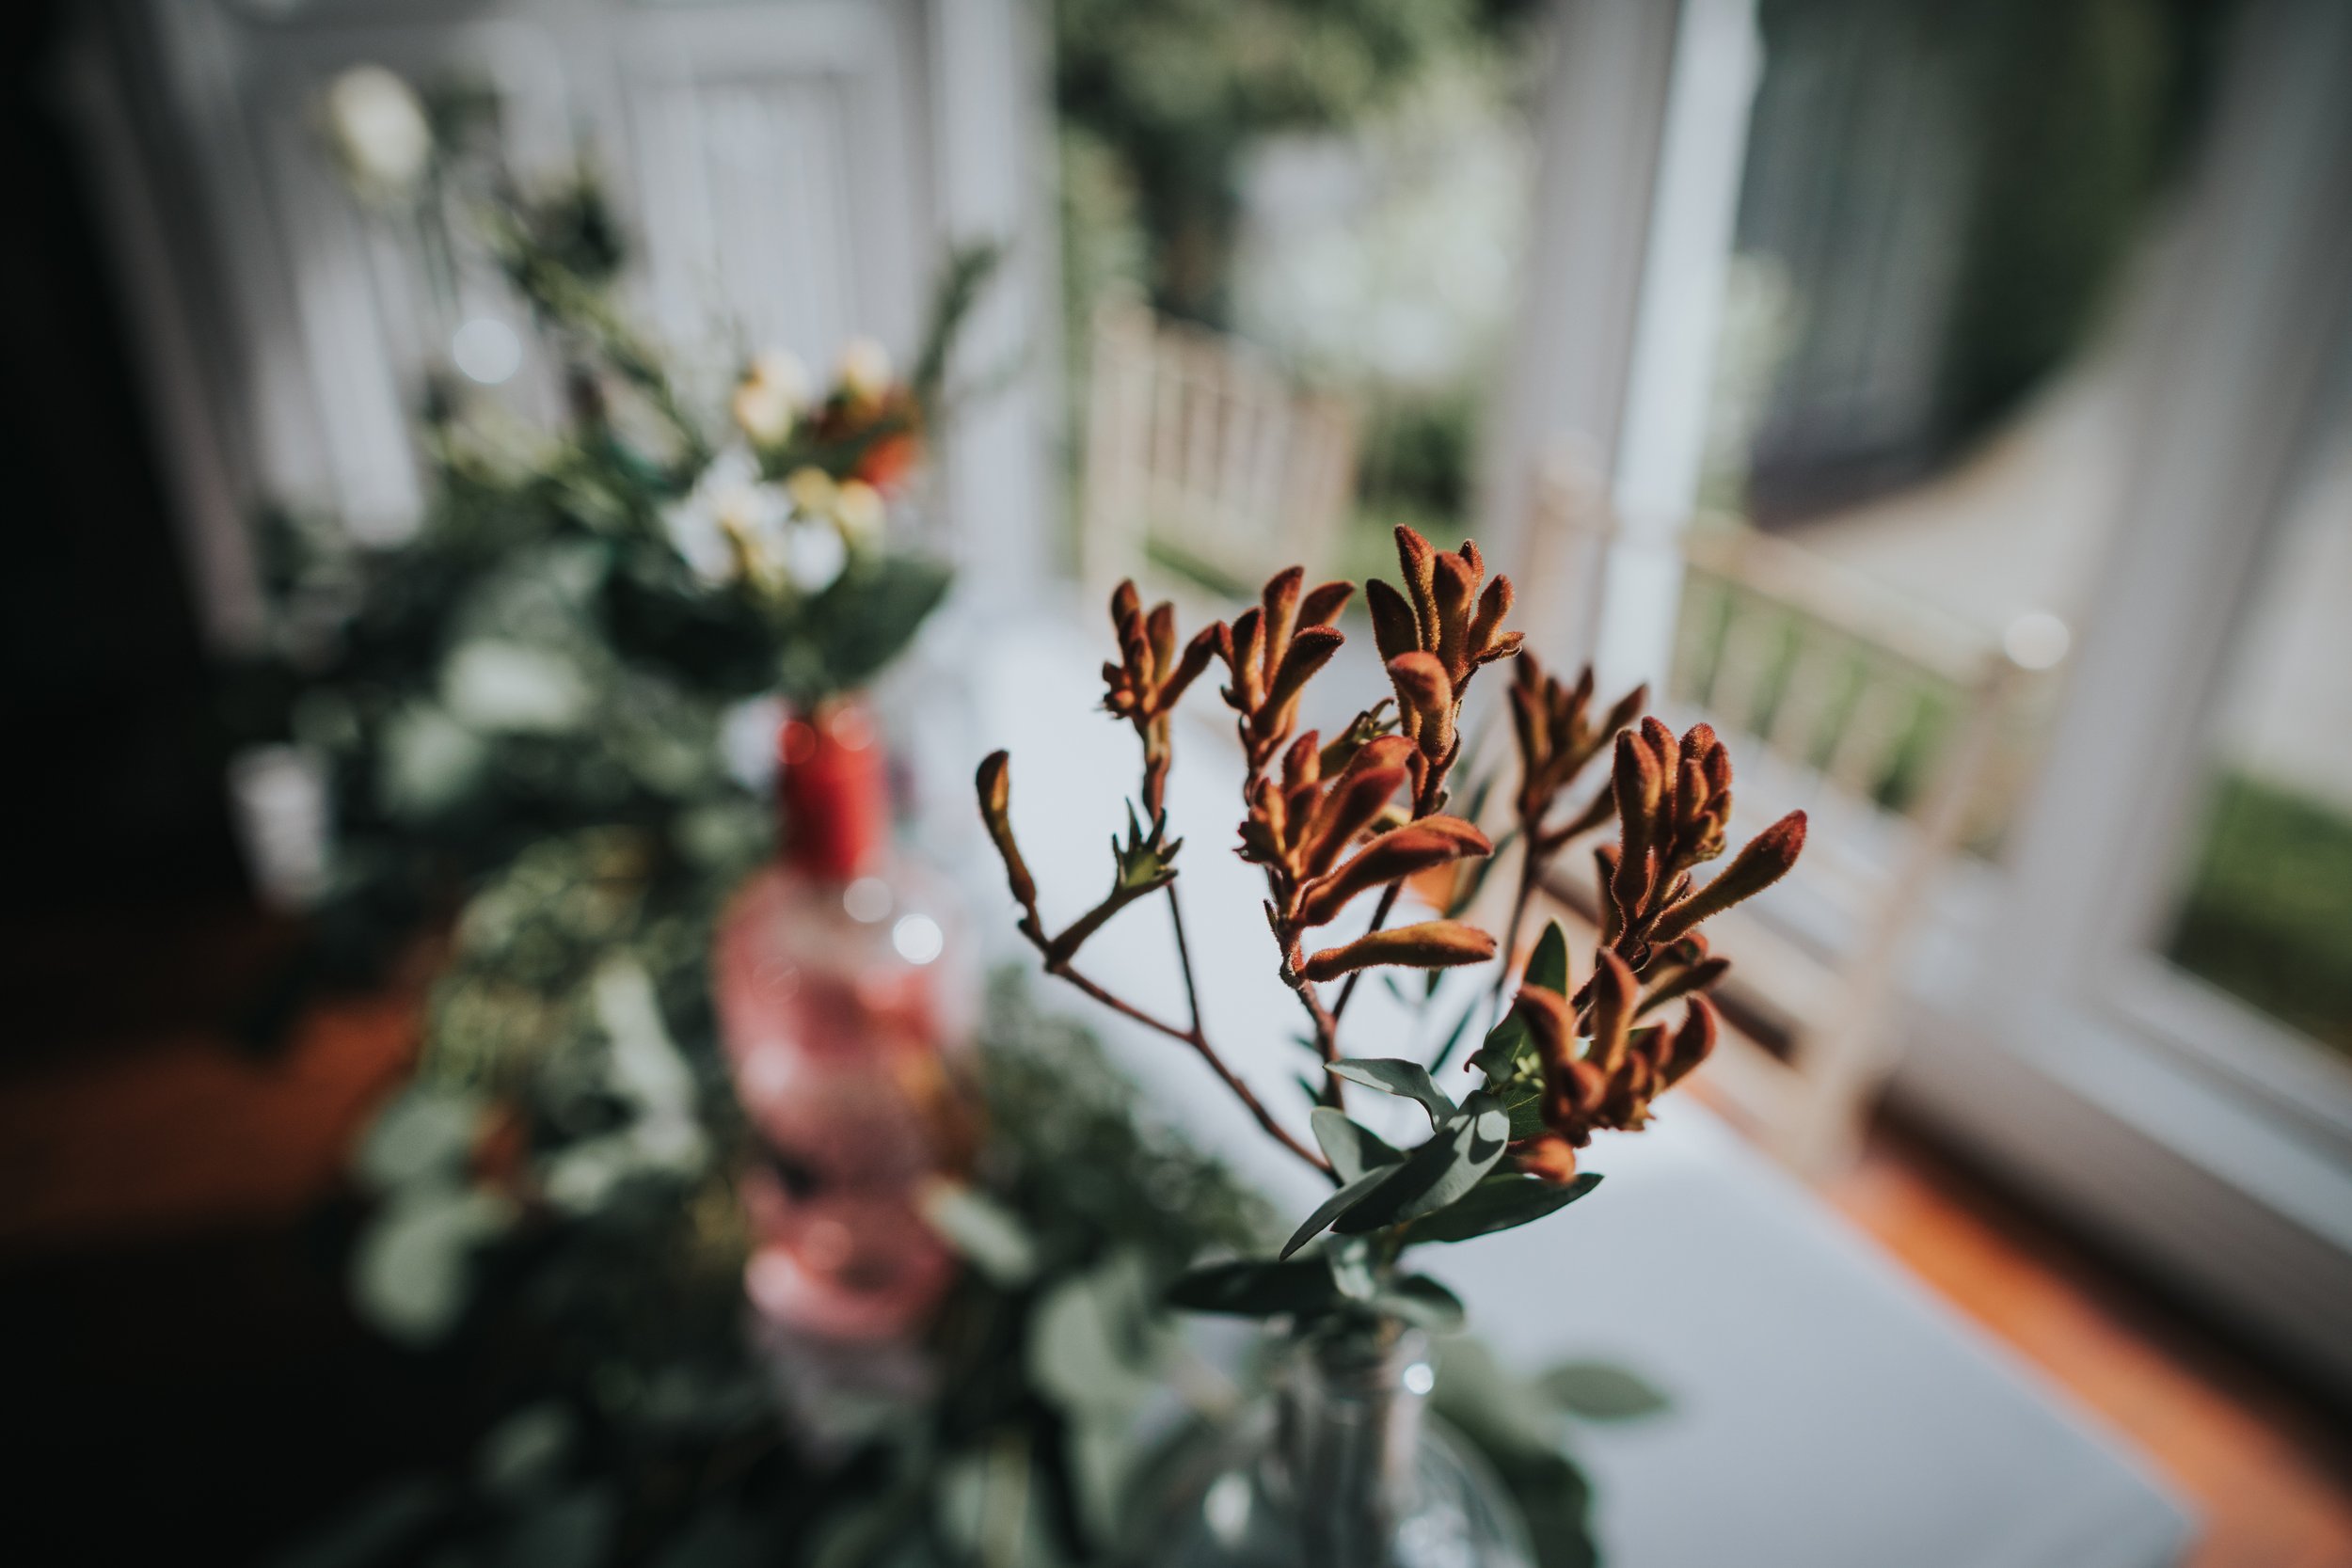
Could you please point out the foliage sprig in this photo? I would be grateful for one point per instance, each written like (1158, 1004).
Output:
(1328, 823)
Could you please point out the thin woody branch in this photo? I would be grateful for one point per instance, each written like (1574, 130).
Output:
(1143, 869)
(1195, 1038)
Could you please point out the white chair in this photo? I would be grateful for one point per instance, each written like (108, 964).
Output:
(1893, 728)
(1203, 462)
(1890, 729)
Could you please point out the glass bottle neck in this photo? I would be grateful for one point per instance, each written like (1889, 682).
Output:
(1351, 1421)
(833, 791)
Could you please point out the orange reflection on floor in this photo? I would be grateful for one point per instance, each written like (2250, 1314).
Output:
(2270, 1477)
(123, 1144)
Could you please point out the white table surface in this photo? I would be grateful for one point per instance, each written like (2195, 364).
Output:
(1827, 1411)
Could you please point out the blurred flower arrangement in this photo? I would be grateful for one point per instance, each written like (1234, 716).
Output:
(565, 638)
(557, 1225)
(1159, 98)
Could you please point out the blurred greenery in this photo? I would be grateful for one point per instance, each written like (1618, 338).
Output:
(1161, 102)
(2032, 138)
(589, 1276)
(2079, 107)
(549, 651)
(2268, 911)
(1175, 89)
(470, 693)
(1418, 445)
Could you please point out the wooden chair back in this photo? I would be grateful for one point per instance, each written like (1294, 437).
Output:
(1885, 724)
(1203, 463)
(1896, 730)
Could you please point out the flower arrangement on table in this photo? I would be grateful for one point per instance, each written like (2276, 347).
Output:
(1336, 823)
(582, 611)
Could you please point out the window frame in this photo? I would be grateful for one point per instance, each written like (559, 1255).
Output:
(2045, 1030)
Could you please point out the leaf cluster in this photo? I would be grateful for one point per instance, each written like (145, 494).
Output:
(1341, 1262)
(596, 1341)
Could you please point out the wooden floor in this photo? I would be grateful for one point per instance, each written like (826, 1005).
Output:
(165, 1135)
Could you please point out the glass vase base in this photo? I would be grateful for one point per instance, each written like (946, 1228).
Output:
(1232, 1500)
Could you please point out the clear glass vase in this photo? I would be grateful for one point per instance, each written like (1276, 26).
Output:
(1343, 1466)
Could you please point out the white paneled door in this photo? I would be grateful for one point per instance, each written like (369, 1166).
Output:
(773, 161)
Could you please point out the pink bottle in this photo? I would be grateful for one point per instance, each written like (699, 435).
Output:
(843, 988)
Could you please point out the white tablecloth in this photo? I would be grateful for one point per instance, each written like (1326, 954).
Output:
(1827, 1412)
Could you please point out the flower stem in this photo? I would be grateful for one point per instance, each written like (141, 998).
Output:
(1380, 918)
(1193, 1037)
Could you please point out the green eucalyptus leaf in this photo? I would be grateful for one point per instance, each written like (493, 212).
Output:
(1434, 1175)
(865, 618)
(1352, 1147)
(1548, 966)
(1407, 1080)
(1497, 1406)
(1349, 1195)
(1599, 1391)
(427, 1134)
(1253, 1288)
(526, 1449)
(1498, 1057)
(1418, 1299)
(383, 1525)
(986, 1234)
(412, 1271)
(1351, 1263)
(567, 1529)
(1500, 1202)
(1092, 1349)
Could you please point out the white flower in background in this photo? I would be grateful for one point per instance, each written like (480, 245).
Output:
(728, 502)
(753, 519)
(782, 369)
(857, 506)
(377, 129)
(864, 369)
(768, 399)
(795, 532)
(812, 491)
(814, 554)
(493, 685)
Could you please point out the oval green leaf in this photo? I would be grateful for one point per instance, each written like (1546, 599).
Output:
(1500, 1202)
(1396, 1076)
